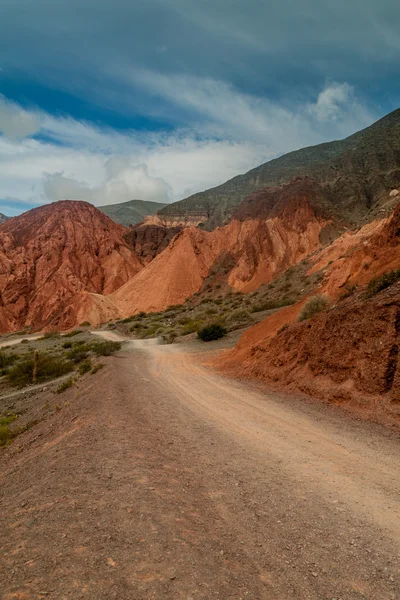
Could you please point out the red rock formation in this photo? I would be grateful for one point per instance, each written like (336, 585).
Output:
(260, 249)
(52, 253)
(348, 354)
(149, 239)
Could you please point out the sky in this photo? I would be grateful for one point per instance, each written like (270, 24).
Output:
(107, 101)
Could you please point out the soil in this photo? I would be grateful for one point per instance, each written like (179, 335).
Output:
(159, 479)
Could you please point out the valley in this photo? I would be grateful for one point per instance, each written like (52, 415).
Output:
(158, 478)
(202, 399)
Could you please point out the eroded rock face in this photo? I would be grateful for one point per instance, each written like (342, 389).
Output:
(260, 249)
(51, 254)
(150, 239)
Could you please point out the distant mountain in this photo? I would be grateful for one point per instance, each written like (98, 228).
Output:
(354, 172)
(3, 218)
(131, 212)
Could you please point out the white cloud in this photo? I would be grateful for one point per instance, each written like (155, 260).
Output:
(123, 181)
(228, 133)
(16, 123)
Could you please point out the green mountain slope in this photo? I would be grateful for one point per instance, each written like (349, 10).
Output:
(131, 212)
(355, 172)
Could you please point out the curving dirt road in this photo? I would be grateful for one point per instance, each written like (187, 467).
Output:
(160, 479)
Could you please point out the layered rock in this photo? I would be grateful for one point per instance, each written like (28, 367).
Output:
(259, 249)
(51, 254)
(349, 353)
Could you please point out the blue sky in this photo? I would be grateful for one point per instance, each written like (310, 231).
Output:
(107, 101)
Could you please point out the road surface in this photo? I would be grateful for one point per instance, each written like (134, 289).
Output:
(160, 479)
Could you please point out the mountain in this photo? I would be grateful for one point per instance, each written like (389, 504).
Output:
(349, 353)
(249, 251)
(50, 255)
(354, 172)
(3, 218)
(131, 212)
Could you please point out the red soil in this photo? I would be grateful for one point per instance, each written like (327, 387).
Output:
(51, 254)
(348, 353)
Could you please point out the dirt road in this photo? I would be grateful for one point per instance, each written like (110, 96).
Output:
(159, 479)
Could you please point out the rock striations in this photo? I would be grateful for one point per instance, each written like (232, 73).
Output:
(49, 256)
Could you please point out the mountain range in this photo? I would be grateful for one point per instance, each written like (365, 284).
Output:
(131, 212)
(68, 262)
(353, 172)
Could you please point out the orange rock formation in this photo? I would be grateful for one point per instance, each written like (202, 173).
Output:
(51, 254)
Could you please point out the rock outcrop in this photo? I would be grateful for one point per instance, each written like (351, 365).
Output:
(51, 254)
(348, 354)
(259, 249)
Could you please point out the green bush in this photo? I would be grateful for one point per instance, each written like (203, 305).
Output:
(96, 368)
(45, 366)
(6, 359)
(73, 333)
(84, 324)
(191, 327)
(313, 306)
(6, 435)
(214, 331)
(378, 284)
(67, 345)
(65, 385)
(169, 338)
(77, 355)
(85, 366)
(49, 335)
(106, 348)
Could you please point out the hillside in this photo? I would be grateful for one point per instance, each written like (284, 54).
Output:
(347, 353)
(355, 172)
(3, 218)
(51, 254)
(131, 212)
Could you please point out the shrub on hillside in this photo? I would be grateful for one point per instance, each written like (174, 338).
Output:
(77, 355)
(106, 348)
(6, 359)
(65, 385)
(73, 333)
(85, 366)
(271, 304)
(211, 332)
(38, 368)
(49, 335)
(313, 306)
(382, 282)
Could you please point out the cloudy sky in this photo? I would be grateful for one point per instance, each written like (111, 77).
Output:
(107, 101)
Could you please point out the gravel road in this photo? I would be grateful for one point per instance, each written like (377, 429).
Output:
(159, 479)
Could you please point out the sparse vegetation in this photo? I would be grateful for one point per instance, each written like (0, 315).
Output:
(50, 335)
(96, 368)
(84, 324)
(378, 284)
(6, 359)
(74, 332)
(39, 367)
(6, 435)
(77, 355)
(313, 306)
(349, 290)
(106, 348)
(272, 304)
(85, 366)
(65, 385)
(211, 332)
